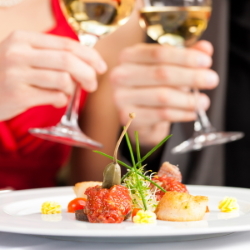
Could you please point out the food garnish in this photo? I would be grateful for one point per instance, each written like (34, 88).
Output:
(76, 204)
(51, 207)
(144, 217)
(140, 189)
(228, 204)
(112, 172)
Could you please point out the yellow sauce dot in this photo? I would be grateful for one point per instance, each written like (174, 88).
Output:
(50, 207)
(144, 217)
(228, 204)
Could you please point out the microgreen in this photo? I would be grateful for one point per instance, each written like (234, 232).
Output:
(133, 181)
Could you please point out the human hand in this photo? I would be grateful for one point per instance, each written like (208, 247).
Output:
(154, 81)
(40, 69)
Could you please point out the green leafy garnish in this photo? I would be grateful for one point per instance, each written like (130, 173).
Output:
(129, 167)
(138, 148)
(142, 160)
(135, 183)
(153, 150)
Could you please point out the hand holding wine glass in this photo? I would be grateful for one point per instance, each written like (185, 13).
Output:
(91, 20)
(180, 23)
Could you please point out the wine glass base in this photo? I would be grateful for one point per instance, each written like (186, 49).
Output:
(206, 139)
(66, 135)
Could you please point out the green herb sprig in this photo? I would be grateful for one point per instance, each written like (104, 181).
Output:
(131, 168)
(153, 150)
(137, 184)
(139, 162)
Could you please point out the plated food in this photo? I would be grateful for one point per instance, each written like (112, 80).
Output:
(141, 196)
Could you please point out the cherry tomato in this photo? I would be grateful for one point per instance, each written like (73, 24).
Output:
(76, 204)
(135, 211)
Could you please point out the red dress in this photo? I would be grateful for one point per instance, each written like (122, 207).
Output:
(27, 161)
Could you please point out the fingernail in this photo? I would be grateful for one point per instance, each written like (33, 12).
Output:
(204, 61)
(204, 102)
(212, 79)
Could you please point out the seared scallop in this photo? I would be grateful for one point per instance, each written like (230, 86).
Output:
(176, 206)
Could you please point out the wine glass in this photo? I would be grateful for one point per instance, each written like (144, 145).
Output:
(180, 23)
(91, 20)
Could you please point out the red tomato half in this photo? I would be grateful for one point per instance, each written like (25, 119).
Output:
(76, 204)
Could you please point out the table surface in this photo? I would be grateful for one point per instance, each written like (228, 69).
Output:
(240, 240)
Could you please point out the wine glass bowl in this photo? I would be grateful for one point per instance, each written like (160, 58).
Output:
(180, 23)
(66, 134)
(91, 20)
(96, 17)
(175, 22)
(199, 141)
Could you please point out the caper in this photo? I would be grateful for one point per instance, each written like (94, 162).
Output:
(112, 172)
(111, 175)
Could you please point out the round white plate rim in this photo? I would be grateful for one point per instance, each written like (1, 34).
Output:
(16, 224)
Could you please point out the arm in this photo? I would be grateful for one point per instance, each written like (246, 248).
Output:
(99, 119)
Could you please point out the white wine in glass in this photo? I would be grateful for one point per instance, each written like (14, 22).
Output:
(91, 20)
(180, 23)
(175, 25)
(96, 18)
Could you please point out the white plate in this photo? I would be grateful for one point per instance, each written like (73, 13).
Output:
(20, 213)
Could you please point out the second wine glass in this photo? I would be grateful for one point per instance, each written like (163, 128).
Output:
(91, 20)
(180, 23)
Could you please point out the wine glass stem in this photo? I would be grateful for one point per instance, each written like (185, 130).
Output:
(70, 118)
(71, 115)
(202, 123)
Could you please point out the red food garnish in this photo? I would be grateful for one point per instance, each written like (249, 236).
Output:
(135, 211)
(76, 204)
(169, 184)
(107, 205)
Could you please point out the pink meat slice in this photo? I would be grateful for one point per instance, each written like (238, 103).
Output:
(170, 170)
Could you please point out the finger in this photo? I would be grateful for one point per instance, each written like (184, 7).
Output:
(161, 98)
(33, 96)
(204, 46)
(162, 75)
(51, 80)
(155, 53)
(66, 62)
(151, 116)
(52, 42)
